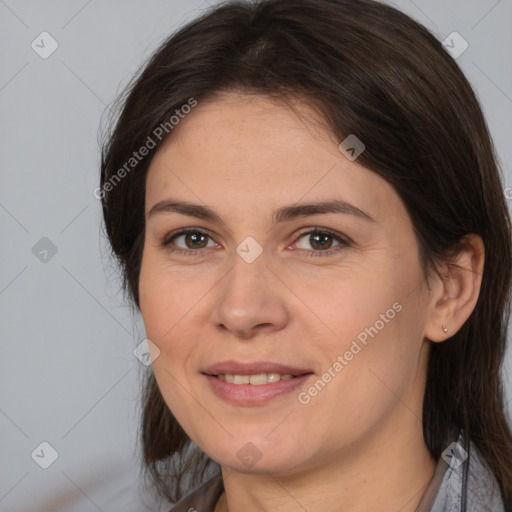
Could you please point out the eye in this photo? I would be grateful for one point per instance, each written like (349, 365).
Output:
(190, 240)
(321, 240)
(317, 242)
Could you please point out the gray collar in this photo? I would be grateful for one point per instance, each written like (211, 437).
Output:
(462, 482)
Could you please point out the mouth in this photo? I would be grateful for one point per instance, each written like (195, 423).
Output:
(257, 379)
(252, 384)
(240, 369)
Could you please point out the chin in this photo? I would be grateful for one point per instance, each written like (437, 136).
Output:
(250, 457)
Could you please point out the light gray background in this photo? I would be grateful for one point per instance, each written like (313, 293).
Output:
(68, 373)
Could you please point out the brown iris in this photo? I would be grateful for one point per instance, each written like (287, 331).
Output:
(321, 240)
(196, 240)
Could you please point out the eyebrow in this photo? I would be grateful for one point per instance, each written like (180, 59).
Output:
(282, 214)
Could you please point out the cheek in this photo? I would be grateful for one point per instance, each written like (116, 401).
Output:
(361, 385)
(372, 354)
(354, 304)
(168, 299)
(166, 305)
(156, 304)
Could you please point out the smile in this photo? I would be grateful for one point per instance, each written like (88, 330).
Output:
(255, 389)
(256, 379)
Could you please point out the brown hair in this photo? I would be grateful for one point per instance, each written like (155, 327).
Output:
(371, 71)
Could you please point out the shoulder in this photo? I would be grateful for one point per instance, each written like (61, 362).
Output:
(468, 478)
(203, 499)
(482, 487)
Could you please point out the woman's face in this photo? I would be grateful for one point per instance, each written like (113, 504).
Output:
(271, 281)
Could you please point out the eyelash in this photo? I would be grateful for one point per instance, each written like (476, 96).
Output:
(343, 242)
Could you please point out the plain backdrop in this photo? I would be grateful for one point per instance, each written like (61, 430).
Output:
(69, 377)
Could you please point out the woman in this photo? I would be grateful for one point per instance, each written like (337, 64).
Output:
(305, 203)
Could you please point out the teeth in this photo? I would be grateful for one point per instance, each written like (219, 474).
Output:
(241, 379)
(256, 379)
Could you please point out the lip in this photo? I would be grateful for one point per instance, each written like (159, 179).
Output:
(249, 394)
(239, 368)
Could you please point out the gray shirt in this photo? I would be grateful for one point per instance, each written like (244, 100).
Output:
(462, 482)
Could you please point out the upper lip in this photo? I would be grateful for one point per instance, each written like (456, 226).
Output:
(239, 368)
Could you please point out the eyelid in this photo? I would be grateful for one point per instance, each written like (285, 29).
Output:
(344, 241)
(318, 229)
(169, 237)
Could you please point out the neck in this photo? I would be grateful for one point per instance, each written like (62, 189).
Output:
(388, 469)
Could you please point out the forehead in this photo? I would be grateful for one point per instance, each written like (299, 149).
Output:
(255, 152)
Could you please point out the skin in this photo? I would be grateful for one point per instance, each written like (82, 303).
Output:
(358, 444)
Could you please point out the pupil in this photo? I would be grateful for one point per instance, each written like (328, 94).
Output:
(321, 241)
(197, 240)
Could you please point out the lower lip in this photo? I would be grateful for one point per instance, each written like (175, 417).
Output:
(249, 394)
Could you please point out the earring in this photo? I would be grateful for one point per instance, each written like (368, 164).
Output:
(445, 329)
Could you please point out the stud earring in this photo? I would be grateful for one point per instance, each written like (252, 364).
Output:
(445, 329)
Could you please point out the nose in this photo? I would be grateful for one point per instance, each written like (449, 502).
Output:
(250, 300)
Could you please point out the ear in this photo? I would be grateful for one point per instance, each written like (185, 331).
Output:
(453, 298)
